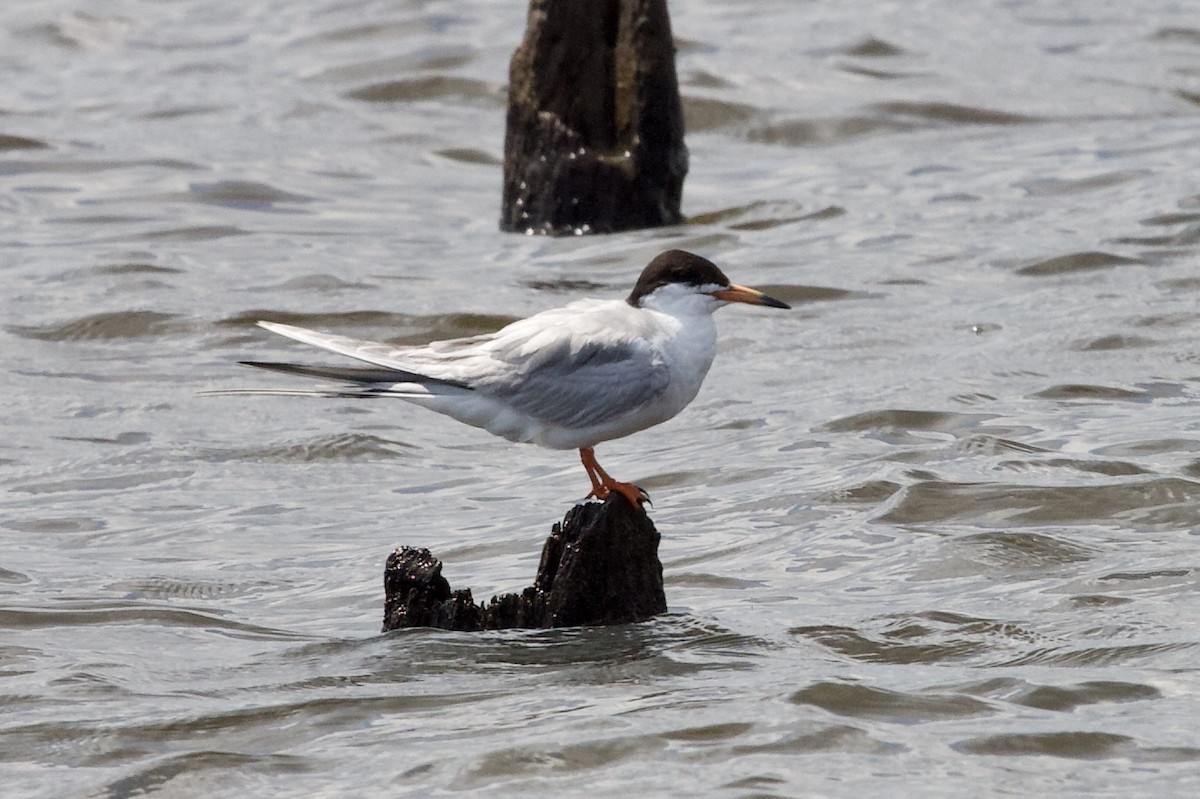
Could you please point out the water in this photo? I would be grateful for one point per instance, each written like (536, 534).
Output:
(933, 533)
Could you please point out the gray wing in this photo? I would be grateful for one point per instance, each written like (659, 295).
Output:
(581, 387)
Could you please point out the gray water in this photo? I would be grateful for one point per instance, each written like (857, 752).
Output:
(932, 533)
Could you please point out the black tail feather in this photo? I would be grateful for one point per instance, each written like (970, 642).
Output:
(352, 374)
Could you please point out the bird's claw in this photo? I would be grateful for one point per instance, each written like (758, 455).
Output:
(603, 484)
(635, 495)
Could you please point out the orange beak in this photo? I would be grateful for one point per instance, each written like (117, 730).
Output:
(736, 293)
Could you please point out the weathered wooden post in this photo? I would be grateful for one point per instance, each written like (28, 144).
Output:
(594, 140)
(600, 566)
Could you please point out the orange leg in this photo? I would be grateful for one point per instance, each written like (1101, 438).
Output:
(603, 484)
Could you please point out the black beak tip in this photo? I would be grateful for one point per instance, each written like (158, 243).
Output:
(771, 302)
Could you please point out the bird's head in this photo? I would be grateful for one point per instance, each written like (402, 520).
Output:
(681, 281)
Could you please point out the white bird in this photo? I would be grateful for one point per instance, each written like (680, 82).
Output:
(565, 378)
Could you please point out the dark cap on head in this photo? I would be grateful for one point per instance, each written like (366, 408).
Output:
(676, 266)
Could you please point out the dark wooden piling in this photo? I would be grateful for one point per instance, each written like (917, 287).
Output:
(599, 566)
(594, 140)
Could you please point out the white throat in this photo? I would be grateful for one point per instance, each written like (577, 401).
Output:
(680, 300)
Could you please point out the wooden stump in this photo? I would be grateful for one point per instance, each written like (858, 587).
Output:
(594, 140)
(599, 566)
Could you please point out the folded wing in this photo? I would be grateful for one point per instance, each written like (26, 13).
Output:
(565, 375)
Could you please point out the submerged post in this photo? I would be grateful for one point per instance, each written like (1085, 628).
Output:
(599, 566)
(594, 139)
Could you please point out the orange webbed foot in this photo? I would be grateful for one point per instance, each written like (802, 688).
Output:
(603, 484)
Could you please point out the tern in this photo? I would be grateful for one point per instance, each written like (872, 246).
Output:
(565, 378)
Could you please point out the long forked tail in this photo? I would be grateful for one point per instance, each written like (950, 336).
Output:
(358, 383)
(382, 379)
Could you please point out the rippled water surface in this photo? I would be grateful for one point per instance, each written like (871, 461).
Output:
(932, 533)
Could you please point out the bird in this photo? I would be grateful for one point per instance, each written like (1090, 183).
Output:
(565, 378)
